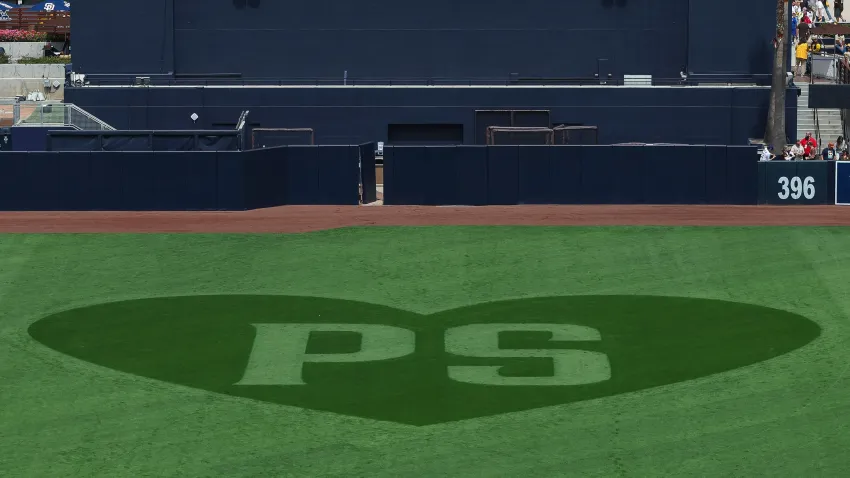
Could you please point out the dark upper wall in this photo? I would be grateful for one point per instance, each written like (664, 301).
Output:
(722, 42)
(438, 38)
(350, 115)
(435, 38)
(123, 37)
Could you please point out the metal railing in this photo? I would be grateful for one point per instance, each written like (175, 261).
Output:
(512, 80)
(64, 114)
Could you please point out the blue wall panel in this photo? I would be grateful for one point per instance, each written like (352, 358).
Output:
(338, 174)
(29, 181)
(106, 171)
(471, 175)
(440, 174)
(230, 180)
(389, 177)
(178, 180)
(32, 138)
(266, 177)
(75, 185)
(201, 171)
(577, 175)
(368, 175)
(302, 175)
(405, 164)
(674, 175)
(566, 167)
(139, 180)
(741, 175)
(715, 174)
(610, 174)
(535, 176)
(502, 174)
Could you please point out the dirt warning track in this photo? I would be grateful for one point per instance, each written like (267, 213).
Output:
(293, 219)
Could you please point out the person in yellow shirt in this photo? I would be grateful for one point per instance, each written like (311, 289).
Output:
(802, 56)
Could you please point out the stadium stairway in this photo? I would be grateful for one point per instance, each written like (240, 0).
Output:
(829, 119)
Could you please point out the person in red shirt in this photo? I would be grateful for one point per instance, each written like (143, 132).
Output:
(811, 140)
(807, 149)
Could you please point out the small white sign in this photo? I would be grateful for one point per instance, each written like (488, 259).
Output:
(194, 116)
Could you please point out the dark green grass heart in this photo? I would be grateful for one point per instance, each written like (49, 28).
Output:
(206, 342)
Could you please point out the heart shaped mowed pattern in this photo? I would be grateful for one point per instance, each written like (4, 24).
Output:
(383, 363)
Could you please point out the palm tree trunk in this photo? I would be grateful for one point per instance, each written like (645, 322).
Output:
(775, 134)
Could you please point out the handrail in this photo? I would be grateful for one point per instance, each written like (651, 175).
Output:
(513, 80)
(56, 113)
(815, 110)
(817, 128)
(76, 109)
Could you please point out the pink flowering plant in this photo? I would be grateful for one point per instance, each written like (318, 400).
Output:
(22, 36)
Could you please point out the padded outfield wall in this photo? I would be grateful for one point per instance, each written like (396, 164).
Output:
(350, 115)
(437, 38)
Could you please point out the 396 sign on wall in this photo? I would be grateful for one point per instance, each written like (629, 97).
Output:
(795, 188)
(795, 182)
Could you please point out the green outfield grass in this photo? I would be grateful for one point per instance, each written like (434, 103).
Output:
(429, 351)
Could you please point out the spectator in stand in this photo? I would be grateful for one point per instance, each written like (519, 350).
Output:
(811, 141)
(840, 145)
(802, 57)
(808, 17)
(828, 153)
(766, 154)
(794, 37)
(808, 151)
(796, 10)
(798, 151)
(839, 10)
(823, 13)
(789, 156)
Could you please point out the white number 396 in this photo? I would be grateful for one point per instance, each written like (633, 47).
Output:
(805, 188)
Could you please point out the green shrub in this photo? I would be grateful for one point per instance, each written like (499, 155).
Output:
(4, 59)
(45, 60)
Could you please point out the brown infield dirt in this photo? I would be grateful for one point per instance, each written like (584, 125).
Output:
(292, 219)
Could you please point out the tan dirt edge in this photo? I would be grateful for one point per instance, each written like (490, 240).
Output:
(294, 219)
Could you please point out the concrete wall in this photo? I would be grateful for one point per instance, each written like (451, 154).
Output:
(18, 80)
(18, 50)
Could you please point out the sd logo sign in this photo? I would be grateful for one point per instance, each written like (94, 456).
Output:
(382, 363)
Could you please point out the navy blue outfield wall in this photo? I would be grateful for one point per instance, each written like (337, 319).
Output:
(438, 38)
(125, 140)
(797, 182)
(479, 175)
(33, 138)
(198, 180)
(354, 115)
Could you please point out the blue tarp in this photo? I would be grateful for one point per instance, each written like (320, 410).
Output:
(52, 6)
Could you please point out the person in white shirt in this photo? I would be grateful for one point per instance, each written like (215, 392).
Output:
(821, 11)
(798, 151)
(766, 155)
(789, 156)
